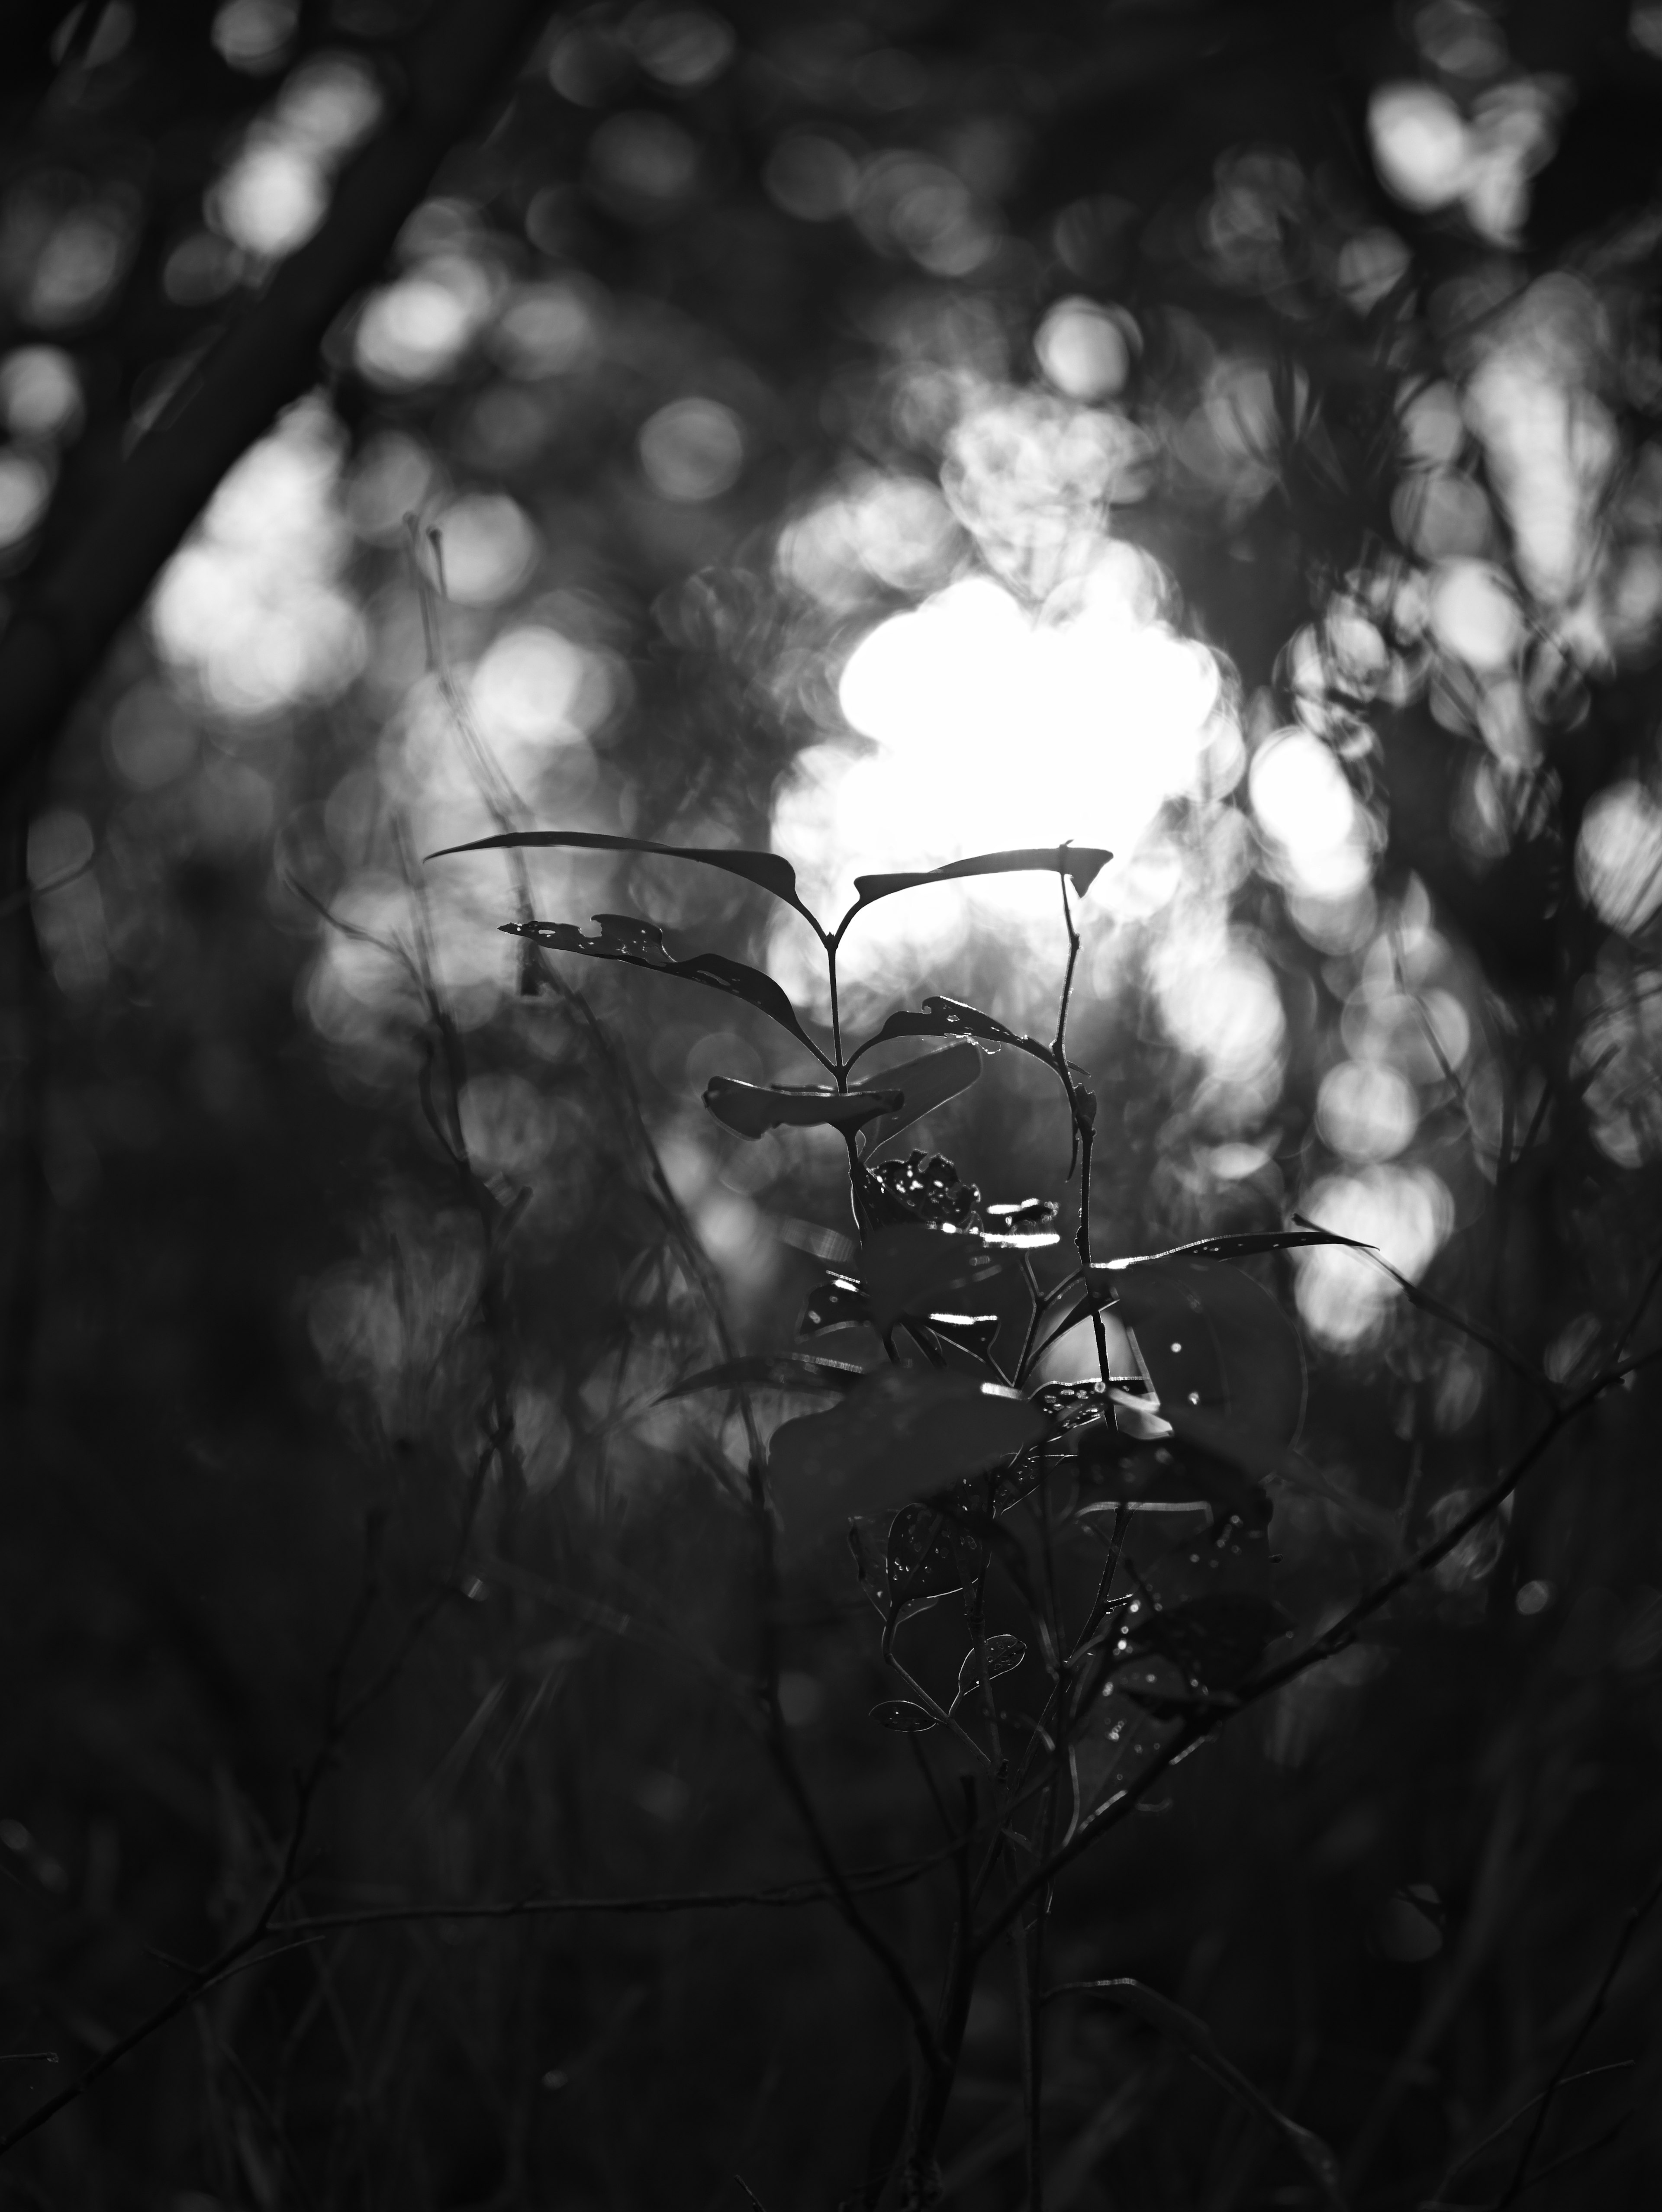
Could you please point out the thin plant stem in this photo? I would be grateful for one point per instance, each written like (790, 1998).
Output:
(1195, 1728)
(1630, 1927)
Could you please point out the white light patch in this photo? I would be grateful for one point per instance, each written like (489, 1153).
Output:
(1618, 856)
(1366, 1110)
(993, 728)
(1405, 1214)
(250, 606)
(1475, 617)
(1422, 147)
(1320, 837)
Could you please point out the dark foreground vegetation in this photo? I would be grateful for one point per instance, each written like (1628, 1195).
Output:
(583, 1630)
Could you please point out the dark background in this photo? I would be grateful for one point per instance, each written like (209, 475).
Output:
(266, 1340)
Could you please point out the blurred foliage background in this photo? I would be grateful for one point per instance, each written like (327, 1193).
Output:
(1224, 432)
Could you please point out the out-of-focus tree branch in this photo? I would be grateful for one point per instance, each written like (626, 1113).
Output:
(65, 624)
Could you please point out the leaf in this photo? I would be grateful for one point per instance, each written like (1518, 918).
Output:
(1246, 1244)
(1004, 1654)
(751, 1110)
(910, 1270)
(641, 945)
(766, 869)
(951, 1017)
(1211, 1337)
(1217, 1640)
(1021, 1217)
(944, 1017)
(970, 1333)
(901, 1433)
(1243, 1445)
(924, 1084)
(1196, 2040)
(1080, 864)
(783, 1372)
(903, 1715)
(1150, 1479)
(839, 1303)
(810, 1237)
(920, 1558)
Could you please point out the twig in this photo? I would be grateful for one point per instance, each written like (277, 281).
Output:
(268, 356)
(1451, 2174)
(265, 1941)
(1343, 1634)
(1195, 1728)
(1630, 1928)
(1434, 1306)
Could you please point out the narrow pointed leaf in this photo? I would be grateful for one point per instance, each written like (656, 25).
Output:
(1080, 864)
(1245, 1245)
(781, 1372)
(924, 1083)
(766, 869)
(900, 1433)
(751, 1110)
(641, 945)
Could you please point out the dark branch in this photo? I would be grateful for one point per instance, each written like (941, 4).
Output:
(63, 629)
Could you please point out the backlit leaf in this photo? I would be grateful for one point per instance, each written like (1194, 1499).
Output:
(1080, 864)
(900, 1433)
(766, 869)
(641, 945)
(924, 1083)
(951, 1017)
(751, 1110)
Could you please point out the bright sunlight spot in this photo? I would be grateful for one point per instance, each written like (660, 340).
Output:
(1405, 1214)
(250, 606)
(990, 727)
